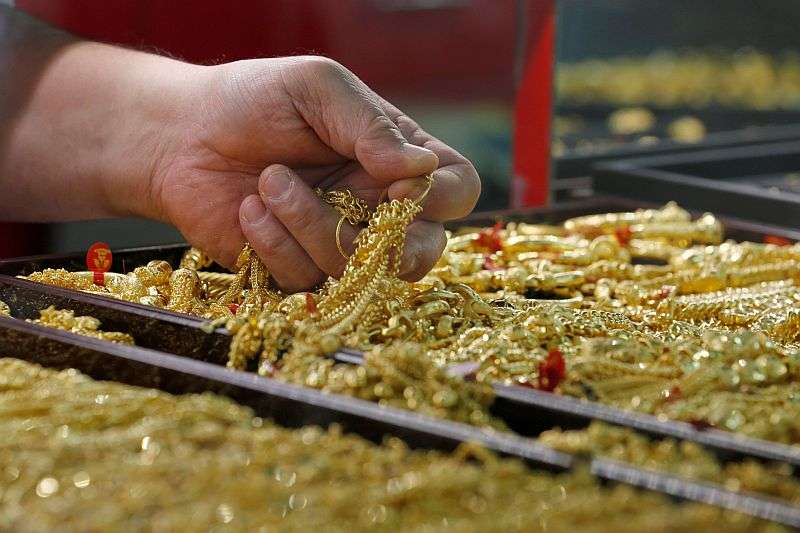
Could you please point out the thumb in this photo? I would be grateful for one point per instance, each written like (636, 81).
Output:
(348, 116)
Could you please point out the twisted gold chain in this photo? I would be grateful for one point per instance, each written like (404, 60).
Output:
(564, 307)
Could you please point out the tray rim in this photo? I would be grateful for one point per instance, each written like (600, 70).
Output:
(572, 165)
(726, 445)
(506, 444)
(722, 441)
(655, 183)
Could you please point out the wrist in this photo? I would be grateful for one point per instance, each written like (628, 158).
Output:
(147, 124)
(96, 122)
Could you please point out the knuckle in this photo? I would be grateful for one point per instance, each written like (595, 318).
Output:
(431, 241)
(412, 131)
(300, 216)
(377, 124)
(378, 128)
(472, 183)
(324, 67)
(271, 244)
(472, 189)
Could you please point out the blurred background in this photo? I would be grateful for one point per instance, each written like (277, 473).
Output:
(626, 72)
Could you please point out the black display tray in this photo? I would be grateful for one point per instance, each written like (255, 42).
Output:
(530, 412)
(725, 127)
(295, 406)
(152, 328)
(738, 182)
(526, 411)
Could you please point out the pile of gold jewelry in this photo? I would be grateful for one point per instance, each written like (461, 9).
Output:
(82, 455)
(686, 459)
(625, 125)
(65, 319)
(747, 79)
(87, 326)
(647, 310)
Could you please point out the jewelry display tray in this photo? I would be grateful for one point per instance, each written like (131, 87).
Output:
(176, 353)
(759, 183)
(726, 128)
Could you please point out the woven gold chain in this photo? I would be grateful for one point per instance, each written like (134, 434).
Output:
(84, 455)
(350, 206)
(565, 308)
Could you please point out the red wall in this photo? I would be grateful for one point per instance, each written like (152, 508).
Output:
(462, 51)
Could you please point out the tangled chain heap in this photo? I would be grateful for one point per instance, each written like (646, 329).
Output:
(686, 459)
(81, 455)
(647, 310)
(746, 79)
(88, 326)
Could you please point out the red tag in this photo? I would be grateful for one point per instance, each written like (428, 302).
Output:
(233, 307)
(552, 370)
(623, 235)
(311, 303)
(490, 238)
(98, 260)
(779, 241)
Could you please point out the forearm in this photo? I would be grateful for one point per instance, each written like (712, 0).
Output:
(83, 124)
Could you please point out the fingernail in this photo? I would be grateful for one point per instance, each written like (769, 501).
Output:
(279, 186)
(411, 188)
(253, 210)
(419, 153)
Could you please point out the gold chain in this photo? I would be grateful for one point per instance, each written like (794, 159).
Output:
(65, 319)
(351, 207)
(83, 455)
(562, 307)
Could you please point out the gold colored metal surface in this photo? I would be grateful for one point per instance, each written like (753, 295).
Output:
(82, 455)
(82, 325)
(704, 330)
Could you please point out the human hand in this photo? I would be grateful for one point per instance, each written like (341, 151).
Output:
(260, 135)
(94, 131)
(264, 133)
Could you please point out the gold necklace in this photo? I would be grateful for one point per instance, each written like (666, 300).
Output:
(87, 326)
(523, 301)
(85, 455)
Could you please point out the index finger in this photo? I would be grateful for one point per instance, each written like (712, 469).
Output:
(456, 185)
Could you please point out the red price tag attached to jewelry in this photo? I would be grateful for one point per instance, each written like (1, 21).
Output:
(98, 260)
